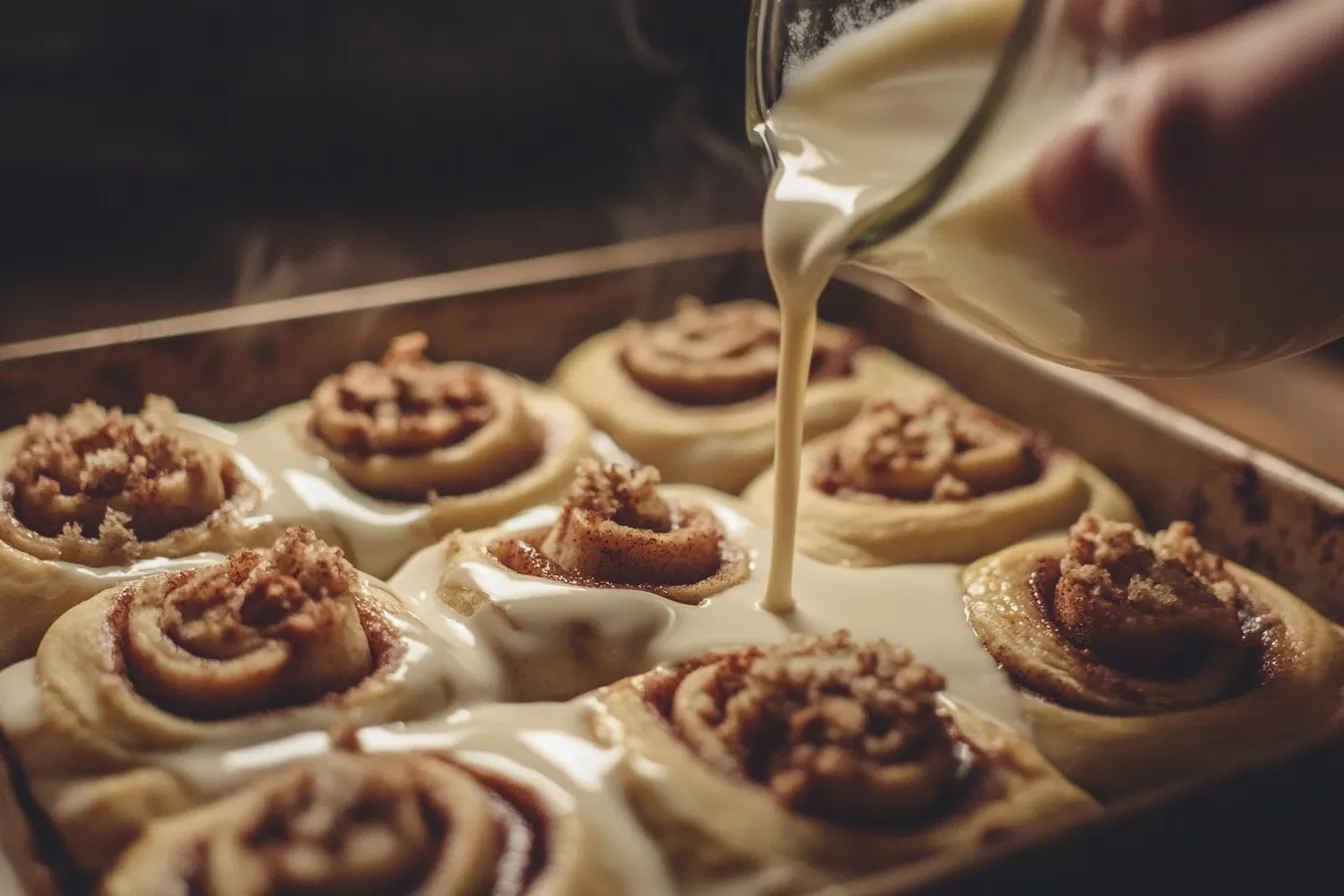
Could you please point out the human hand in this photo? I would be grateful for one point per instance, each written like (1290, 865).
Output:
(1217, 132)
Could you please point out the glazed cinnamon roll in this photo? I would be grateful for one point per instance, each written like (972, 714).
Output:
(926, 476)
(615, 532)
(397, 454)
(817, 760)
(694, 394)
(1145, 659)
(99, 496)
(265, 644)
(385, 824)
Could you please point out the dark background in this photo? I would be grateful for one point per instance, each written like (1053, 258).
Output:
(158, 157)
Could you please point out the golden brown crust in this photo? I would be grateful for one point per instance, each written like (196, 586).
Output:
(1151, 603)
(723, 354)
(98, 496)
(924, 475)
(853, 733)
(819, 760)
(101, 487)
(692, 395)
(393, 823)
(262, 646)
(617, 531)
(261, 631)
(403, 405)
(117, 477)
(1146, 659)
(475, 444)
(928, 445)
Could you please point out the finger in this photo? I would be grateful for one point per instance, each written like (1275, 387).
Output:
(1235, 131)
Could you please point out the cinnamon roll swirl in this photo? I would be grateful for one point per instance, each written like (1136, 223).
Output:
(817, 760)
(351, 824)
(924, 475)
(693, 394)
(407, 450)
(1145, 659)
(616, 531)
(265, 644)
(99, 496)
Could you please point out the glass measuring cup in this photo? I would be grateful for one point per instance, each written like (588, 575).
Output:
(958, 226)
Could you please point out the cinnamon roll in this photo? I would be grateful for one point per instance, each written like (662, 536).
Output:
(1145, 659)
(99, 496)
(397, 454)
(615, 533)
(926, 476)
(265, 644)
(817, 760)
(693, 394)
(352, 824)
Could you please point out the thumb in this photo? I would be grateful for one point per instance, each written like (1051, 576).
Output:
(1234, 132)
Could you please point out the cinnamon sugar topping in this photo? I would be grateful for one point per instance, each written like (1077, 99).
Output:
(261, 630)
(118, 477)
(404, 404)
(928, 446)
(845, 731)
(722, 354)
(351, 824)
(616, 529)
(393, 823)
(626, 496)
(1145, 599)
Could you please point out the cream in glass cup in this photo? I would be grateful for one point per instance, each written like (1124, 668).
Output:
(901, 136)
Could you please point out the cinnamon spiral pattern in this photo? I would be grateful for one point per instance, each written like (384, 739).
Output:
(722, 354)
(821, 758)
(266, 644)
(96, 471)
(263, 630)
(692, 394)
(928, 446)
(407, 427)
(103, 489)
(616, 530)
(925, 475)
(384, 824)
(1146, 658)
(347, 824)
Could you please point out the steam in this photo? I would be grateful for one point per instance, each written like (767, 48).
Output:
(683, 176)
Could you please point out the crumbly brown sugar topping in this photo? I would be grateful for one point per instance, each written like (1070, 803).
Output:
(927, 446)
(847, 731)
(617, 529)
(405, 404)
(357, 824)
(287, 590)
(723, 354)
(627, 496)
(98, 472)
(1136, 597)
(261, 630)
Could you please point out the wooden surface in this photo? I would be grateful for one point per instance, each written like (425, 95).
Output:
(1294, 408)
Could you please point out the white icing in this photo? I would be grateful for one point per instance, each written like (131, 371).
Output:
(544, 745)
(917, 606)
(301, 488)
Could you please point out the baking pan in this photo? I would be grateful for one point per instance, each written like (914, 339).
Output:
(1258, 826)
